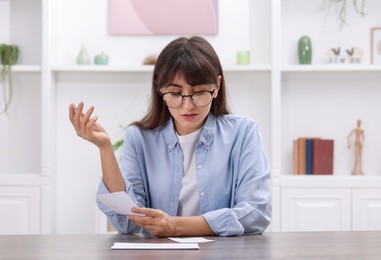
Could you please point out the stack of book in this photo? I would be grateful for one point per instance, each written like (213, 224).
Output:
(313, 155)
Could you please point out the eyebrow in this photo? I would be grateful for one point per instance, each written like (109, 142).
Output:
(181, 86)
(175, 85)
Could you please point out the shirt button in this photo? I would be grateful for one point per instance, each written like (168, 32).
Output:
(169, 147)
(199, 142)
(199, 166)
(202, 194)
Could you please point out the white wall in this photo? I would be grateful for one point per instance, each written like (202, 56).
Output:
(120, 98)
(85, 22)
(4, 21)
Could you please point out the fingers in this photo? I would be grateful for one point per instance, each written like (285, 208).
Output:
(143, 215)
(141, 221)
(153, 230)
(153, 220)
(148, 223)
(153, 213)
(146, 216)
(77, 116)
(82, 122)
(72, 109)
(91, 123)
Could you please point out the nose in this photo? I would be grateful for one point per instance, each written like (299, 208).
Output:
(188, 102)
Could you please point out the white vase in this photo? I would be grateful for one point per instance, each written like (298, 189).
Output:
(83, 57)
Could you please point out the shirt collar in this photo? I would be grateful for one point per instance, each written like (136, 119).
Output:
(206, 136)
(208, 131)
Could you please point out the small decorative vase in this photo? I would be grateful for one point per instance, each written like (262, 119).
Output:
(101, 59)
(305, 50)
(243, 57)
(83, 57)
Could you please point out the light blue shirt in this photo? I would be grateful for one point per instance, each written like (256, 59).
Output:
(233, 174)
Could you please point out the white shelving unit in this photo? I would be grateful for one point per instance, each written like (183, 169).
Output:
(331, 68)
(26, 68)
(149, 68)
(20, 132)
(325, 100)
(288, 100)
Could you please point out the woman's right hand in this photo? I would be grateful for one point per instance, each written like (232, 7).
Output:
(87, 127)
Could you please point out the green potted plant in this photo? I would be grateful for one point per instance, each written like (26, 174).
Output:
(9, 55)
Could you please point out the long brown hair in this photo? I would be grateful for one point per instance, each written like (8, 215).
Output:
(198, 63)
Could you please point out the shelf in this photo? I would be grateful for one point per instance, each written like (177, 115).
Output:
(330, 181)
(101, 68)
(26, 68)
(148, 68)
(332, 68)
(247, 68)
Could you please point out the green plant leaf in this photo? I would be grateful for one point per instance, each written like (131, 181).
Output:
(117, 145)
(9, 55)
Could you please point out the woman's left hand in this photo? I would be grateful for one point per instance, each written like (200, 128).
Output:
(156, 222)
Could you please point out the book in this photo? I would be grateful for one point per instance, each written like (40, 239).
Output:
(295, 156)
(301, 154)
(309, 156)
(322, 156)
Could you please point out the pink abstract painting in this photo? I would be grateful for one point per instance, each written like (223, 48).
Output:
(147, 17)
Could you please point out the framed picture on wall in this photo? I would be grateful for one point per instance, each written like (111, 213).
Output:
(164, 17)
(375, 48)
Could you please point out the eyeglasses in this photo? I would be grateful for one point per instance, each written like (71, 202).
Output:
(199, 98)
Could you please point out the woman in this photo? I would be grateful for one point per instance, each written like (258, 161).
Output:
(192, 168)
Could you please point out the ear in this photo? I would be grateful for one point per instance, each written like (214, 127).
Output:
(217, 86)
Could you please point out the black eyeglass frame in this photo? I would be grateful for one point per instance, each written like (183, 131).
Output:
(191, 96)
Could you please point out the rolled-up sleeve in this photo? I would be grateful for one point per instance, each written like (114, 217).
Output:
(118, 221)
(130, 162)
(250, 211)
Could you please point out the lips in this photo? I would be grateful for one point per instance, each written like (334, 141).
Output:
(189, 117)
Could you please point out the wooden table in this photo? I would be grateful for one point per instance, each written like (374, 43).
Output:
(290, 246)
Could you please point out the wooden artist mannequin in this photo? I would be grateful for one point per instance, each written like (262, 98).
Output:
(358, 147)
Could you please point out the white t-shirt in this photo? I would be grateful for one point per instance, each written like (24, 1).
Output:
(189, 202)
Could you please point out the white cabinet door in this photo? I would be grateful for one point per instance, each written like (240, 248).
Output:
(315, 209)
(366, 209)
(20, 210)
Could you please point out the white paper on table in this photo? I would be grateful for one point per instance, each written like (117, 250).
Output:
(190, 239)
(118, 202)
(151, 246)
